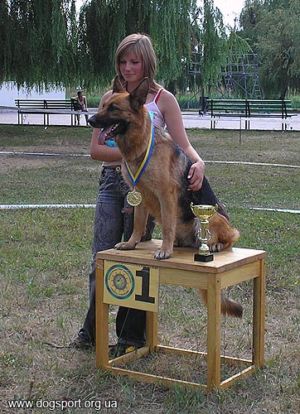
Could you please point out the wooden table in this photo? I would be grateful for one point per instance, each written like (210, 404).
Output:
(132, 279)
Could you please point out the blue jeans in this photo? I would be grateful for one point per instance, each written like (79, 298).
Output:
(114, 221)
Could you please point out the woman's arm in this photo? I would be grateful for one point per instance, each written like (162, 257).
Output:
(103, 152)
(170, 110)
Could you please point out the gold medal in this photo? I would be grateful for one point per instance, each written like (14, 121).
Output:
(134, 198)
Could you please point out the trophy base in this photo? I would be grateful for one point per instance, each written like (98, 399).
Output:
(203, 257)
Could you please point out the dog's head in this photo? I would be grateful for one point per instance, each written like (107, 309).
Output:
(122, 108)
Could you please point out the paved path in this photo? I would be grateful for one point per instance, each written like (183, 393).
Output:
(193, 120)
(190, 120)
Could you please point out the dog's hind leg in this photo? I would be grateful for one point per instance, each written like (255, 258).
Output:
(222, 234)
(140, 220)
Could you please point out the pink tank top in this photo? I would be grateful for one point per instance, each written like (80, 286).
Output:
(158, 119)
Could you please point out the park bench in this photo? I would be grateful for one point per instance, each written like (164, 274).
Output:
(249, 108)
(226, 108)
(47, 107)
(270, 108)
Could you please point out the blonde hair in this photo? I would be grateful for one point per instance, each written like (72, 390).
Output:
(141, 46)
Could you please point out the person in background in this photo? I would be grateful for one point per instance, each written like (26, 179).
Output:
(80, 104)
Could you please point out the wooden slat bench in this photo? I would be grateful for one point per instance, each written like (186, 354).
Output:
(47, 107)
(226, 108)
(250, 108)
(268, 108)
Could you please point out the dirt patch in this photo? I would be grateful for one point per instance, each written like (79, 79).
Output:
(52, 149)
(9, 163)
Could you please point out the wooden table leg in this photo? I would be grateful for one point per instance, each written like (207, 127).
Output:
(213, 333)
(259, 317)
(151, 330)
(101, 319)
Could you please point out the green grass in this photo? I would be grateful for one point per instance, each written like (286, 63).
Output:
(75, 181)
(45, 258)
(62, 181)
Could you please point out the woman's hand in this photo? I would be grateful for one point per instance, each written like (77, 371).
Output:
(196, 175)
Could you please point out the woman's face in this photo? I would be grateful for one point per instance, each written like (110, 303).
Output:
(131, 68)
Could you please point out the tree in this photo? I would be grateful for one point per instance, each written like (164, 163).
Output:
(42, 43)
(275, 35)
(107, 22)
(208, 44)
(38, 47)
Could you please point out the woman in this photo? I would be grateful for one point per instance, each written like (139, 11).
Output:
(134, 60)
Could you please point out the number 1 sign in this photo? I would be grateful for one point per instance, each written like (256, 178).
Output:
(132, 286)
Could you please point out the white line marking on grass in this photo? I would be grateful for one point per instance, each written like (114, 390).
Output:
(263, 164)
(279, 210)
(42, 154)
(56, 154)
(33, 206)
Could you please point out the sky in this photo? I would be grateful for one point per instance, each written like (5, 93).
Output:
(229, 8)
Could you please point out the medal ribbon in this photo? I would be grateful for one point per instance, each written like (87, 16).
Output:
(135, 178)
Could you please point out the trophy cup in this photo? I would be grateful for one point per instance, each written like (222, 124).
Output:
(203, 213)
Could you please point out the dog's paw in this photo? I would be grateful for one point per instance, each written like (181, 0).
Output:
(125, 246)
(162, 254)
(216, 247)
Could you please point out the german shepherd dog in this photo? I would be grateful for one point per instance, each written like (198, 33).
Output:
(164, 183)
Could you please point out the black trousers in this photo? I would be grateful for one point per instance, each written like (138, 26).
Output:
(113, 219)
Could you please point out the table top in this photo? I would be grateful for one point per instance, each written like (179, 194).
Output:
(183, 258)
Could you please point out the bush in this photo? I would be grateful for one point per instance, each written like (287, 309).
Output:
(188, 102)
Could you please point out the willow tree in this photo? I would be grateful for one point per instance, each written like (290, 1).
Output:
(4, 56)
(209, 45)
(102, 24)
(43, 43)
(37, 46)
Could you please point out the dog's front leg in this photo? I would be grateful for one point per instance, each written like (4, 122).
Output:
(168, 222)
(139, 225)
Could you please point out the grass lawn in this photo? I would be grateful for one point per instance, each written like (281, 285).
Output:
(45, 256)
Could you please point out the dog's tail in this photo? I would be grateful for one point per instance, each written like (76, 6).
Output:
(228, 306)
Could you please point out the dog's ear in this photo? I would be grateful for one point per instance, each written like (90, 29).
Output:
(139, 95)
(117, 86)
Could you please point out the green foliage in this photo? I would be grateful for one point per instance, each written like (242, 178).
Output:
(295, 99)
(38, 46)
(236, 45)
(120, 18)
(187, 102)
(42, 42)
(208, 45)
(213, 39)
(4, 57)
(272, 28)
